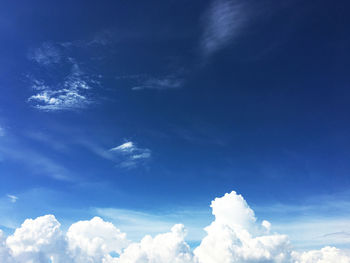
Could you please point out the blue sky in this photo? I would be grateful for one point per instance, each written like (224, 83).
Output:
(142, 112)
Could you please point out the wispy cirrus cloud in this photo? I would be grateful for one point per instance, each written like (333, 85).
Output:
(164, 83)
(148, 82)
(129, 155)
(13, 149)
(47, 54)
(222, 23)
(12, 198)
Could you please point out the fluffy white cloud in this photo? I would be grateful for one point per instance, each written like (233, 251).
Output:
(39, 240)
(234, 236)
(324, 255)
(93, 240)
(168, 247)
(4, 251)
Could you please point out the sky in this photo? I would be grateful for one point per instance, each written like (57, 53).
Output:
(140, 113)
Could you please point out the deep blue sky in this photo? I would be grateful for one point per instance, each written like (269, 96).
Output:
(212, 96)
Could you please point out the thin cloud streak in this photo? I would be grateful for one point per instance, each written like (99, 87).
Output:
(222, 23)
(37, 162)
(165, 83)
(12, 198)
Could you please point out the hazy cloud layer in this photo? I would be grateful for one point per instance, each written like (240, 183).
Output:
(47, 54)
(235, 235)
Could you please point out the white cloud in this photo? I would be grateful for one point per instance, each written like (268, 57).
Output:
(39, 240)
(325, 255)
(128, 155)
(56, 88)
(222, 23)
(70, 94)
(93, 240)
(138, 224)
(235, 235)
(168, 247)
(125, 147)
(12, 198)
(5, 255)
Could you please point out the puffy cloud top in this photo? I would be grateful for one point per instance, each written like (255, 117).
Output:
(234, 236)
(94, 239)
(232, 210)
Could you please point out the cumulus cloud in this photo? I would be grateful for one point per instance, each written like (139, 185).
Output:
(324, 255)
(92, 240)
(222, 23)
(39, 240)
(235, 235)
(129, 155)
(168, 247)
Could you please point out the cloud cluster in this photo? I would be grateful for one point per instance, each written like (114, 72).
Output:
(64, 91)
(235, 235)
(69, 94)
(130, 155)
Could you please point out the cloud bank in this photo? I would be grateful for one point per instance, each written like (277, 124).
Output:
(235, 235)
